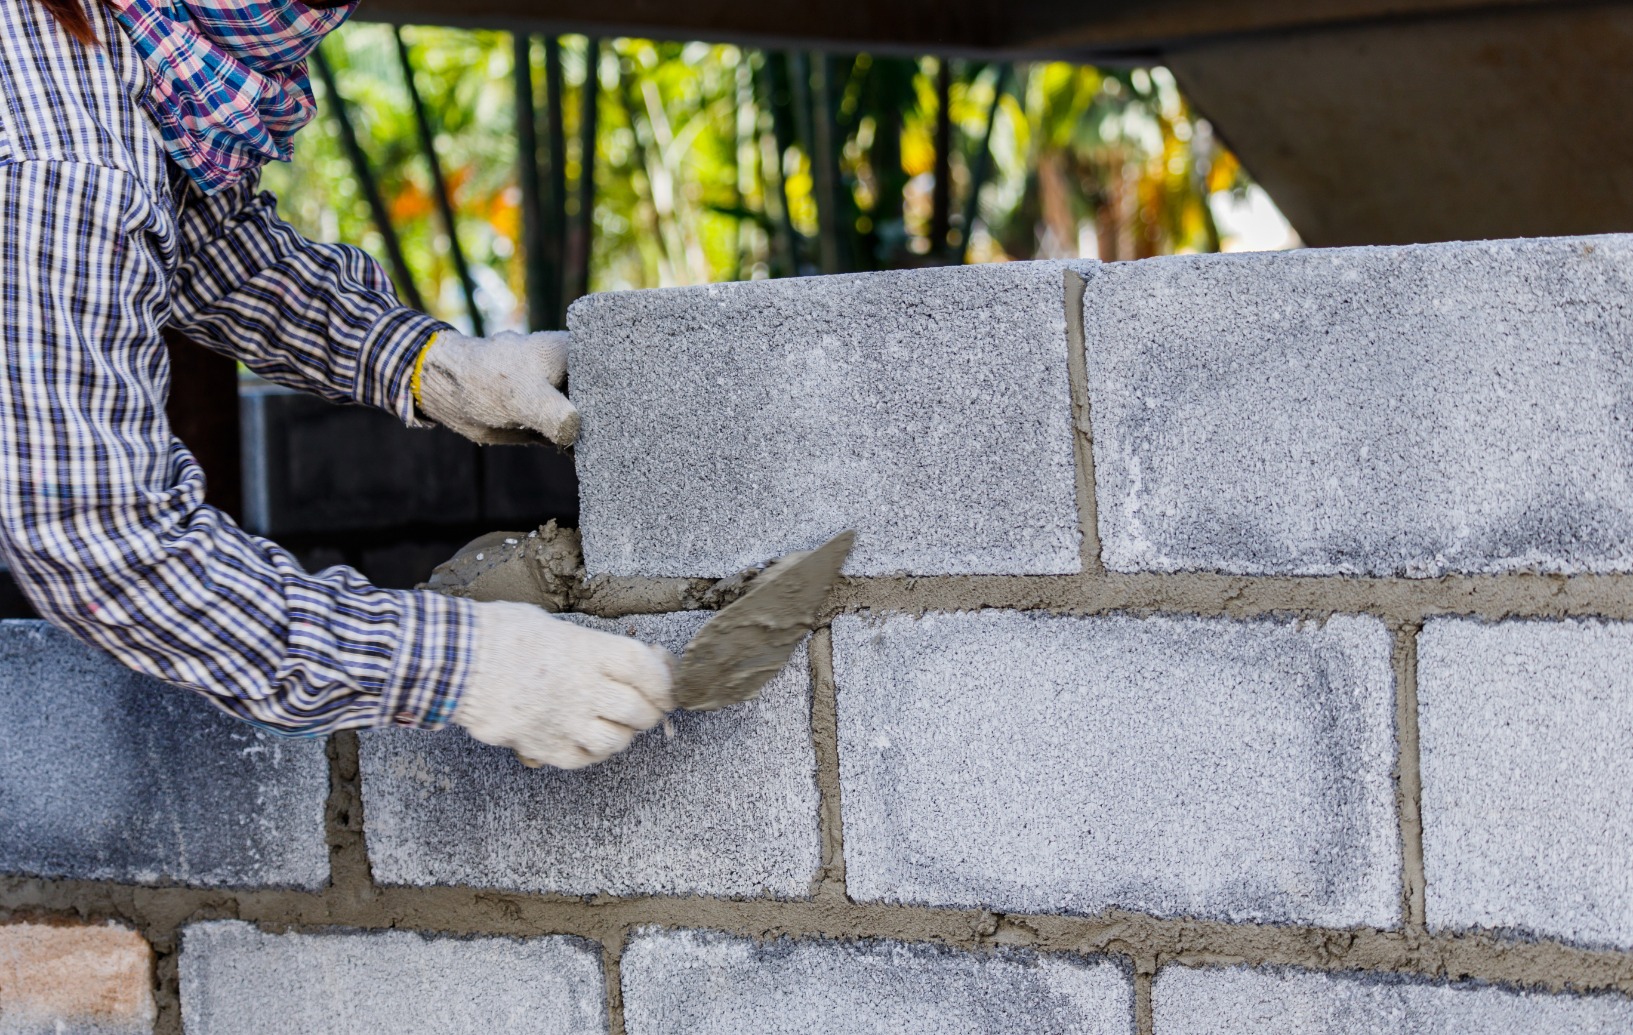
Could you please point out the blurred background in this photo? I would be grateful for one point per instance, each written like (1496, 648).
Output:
(689, 163)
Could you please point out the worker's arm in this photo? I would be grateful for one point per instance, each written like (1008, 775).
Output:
(101, 507)
(103, 523)
(324, 318)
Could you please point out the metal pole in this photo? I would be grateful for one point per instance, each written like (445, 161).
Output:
(534, 262)
(582, 237)
(556, 197)
(365, 183)
(941, 191)
(439, 185)
(825, 166)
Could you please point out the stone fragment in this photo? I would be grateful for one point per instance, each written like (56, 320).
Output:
(75, 979)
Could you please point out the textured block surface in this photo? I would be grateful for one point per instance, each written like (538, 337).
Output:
(727, 806)
(237, 979)
(1447, 408)
(107, 775)
(1175, 766)
(1526, 734)
(1243, 1001)
(928, 410)
(74, 980)
(698, 983)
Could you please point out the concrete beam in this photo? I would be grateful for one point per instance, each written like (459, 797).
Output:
(1035, 28)
(1505, 125)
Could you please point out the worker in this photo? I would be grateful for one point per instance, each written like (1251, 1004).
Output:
(132, 133)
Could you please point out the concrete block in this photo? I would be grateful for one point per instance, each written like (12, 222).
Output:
(107, 775)
(313, 466)
(699, 983)
(236, 979)
(1366, 411)
(1247, 1001)
(1526, 732)
(75, 979)
(1171, 765)
(929, 410)
(726, 806)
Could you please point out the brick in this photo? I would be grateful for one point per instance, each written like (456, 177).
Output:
(929, 410)
(236, 978)
(701, 983)
(107, 775)
(1526, 729)
(75, 979)
(1366, 411)
(725, 807)
(313, 466)
(1246, 1001)
(1171, 765)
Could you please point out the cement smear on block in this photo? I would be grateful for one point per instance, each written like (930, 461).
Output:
(742, 647)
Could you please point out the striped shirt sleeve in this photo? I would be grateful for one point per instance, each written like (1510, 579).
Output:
(101, 508)
(318, 317)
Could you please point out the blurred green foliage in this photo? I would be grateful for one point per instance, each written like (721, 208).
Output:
(713, 162)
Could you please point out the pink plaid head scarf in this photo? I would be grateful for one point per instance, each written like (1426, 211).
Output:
(229, 86)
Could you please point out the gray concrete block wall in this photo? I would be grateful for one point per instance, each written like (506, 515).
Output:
(1170, 765)
(1366, 411)
(1249, 1001)
(1527, 740)
(239, 980)
(1022, 780)
(703, 983)
(722, 803)
(928, 410)
(107, 775)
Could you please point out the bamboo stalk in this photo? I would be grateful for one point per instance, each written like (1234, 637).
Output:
(367, 184)
(439, 185)
(941, 196)
(983, 161)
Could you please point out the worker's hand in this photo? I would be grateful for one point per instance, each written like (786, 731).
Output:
(557, 693)
(503, 389)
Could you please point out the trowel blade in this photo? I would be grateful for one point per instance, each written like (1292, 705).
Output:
(750, 640)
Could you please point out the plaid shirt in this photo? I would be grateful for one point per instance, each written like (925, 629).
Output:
(102, 517)
(228, 87)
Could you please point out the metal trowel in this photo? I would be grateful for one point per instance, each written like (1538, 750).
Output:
(750, 640)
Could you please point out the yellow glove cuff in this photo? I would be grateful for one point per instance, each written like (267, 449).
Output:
(419, 367)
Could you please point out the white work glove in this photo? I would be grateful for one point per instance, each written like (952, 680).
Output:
(557, 693)
(498, 390)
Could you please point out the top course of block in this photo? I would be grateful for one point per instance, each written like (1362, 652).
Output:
(929, 410)
(1369, 411)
